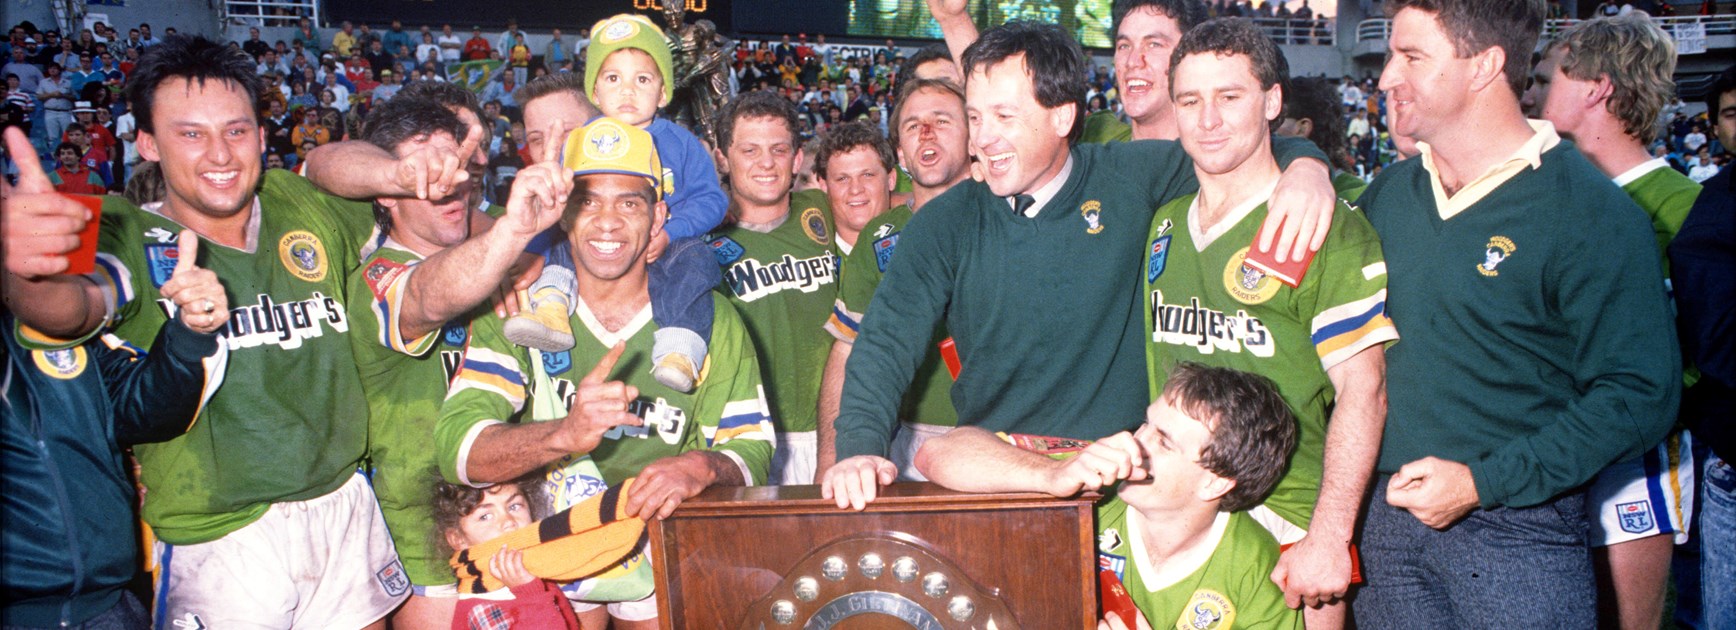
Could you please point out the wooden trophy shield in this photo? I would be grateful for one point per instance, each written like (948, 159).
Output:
(920, 556)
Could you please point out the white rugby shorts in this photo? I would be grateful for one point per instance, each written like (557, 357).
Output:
(1646, 496)
(326, 562)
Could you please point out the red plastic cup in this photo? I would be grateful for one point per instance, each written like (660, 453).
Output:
(83, 259)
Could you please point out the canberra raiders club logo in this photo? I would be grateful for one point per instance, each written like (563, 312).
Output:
(1498, 249)
(303, 255)
(1092, 212)
(1207, 610)
(1247, 283)
(606, 141)
(814, 224)
(61, 364)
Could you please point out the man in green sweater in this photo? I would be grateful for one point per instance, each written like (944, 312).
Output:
(1029, 267)
(1602, 83)
(1537, 343)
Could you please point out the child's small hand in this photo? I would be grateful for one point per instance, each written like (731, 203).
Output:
(654, 249)
(508, 565)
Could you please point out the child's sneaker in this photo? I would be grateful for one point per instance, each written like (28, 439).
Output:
(543, 323)
(676, 371)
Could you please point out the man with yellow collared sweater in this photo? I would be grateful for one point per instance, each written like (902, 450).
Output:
(1537, 343)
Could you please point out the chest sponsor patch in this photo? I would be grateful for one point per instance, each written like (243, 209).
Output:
(1112, 563)
(883, 251)
(455, 334)
(380, 275)
(160, 259)
(1157, 258)
(303, 255)
(64, 364)
(556, 362)
(1206, 330)
(750, 280)
(283, 324)
(1248, 284)
(726, 250)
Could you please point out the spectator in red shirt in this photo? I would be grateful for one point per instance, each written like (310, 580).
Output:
(357, 68)
(476, 47)
(73, 177)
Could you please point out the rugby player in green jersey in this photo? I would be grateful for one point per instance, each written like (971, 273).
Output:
(67, 416)
(779, 255)
(260, 501)
(419, 290)
(929, 130)
(1322, 341)
(1602, 83)
(513, 410)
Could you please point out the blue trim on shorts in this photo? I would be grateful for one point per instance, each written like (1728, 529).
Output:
(162, 608)
(1656, 468)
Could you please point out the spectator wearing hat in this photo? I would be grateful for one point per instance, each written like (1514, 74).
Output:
(476, 48)
(97, 136)
(388, 87)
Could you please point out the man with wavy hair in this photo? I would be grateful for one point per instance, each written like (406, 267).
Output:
(1602, 83)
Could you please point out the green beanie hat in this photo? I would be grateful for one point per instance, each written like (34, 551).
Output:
(628, 31)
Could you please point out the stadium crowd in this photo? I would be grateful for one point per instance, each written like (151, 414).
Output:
(412, 327)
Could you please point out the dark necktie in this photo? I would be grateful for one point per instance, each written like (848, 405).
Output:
(1021, 203)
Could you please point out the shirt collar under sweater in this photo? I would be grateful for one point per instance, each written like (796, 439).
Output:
(1047, 192)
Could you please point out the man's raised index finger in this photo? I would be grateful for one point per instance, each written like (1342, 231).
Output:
(605, 365)
(555, 141)
(31, 178)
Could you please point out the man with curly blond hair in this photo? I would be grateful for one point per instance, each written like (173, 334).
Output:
(1602, 83)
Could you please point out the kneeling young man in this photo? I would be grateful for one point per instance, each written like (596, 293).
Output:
(1185, 548)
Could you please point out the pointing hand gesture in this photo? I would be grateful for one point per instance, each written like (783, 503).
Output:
(40, 226)
(433, 172)
(196, 292)
(539, 192)
(599, 405)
